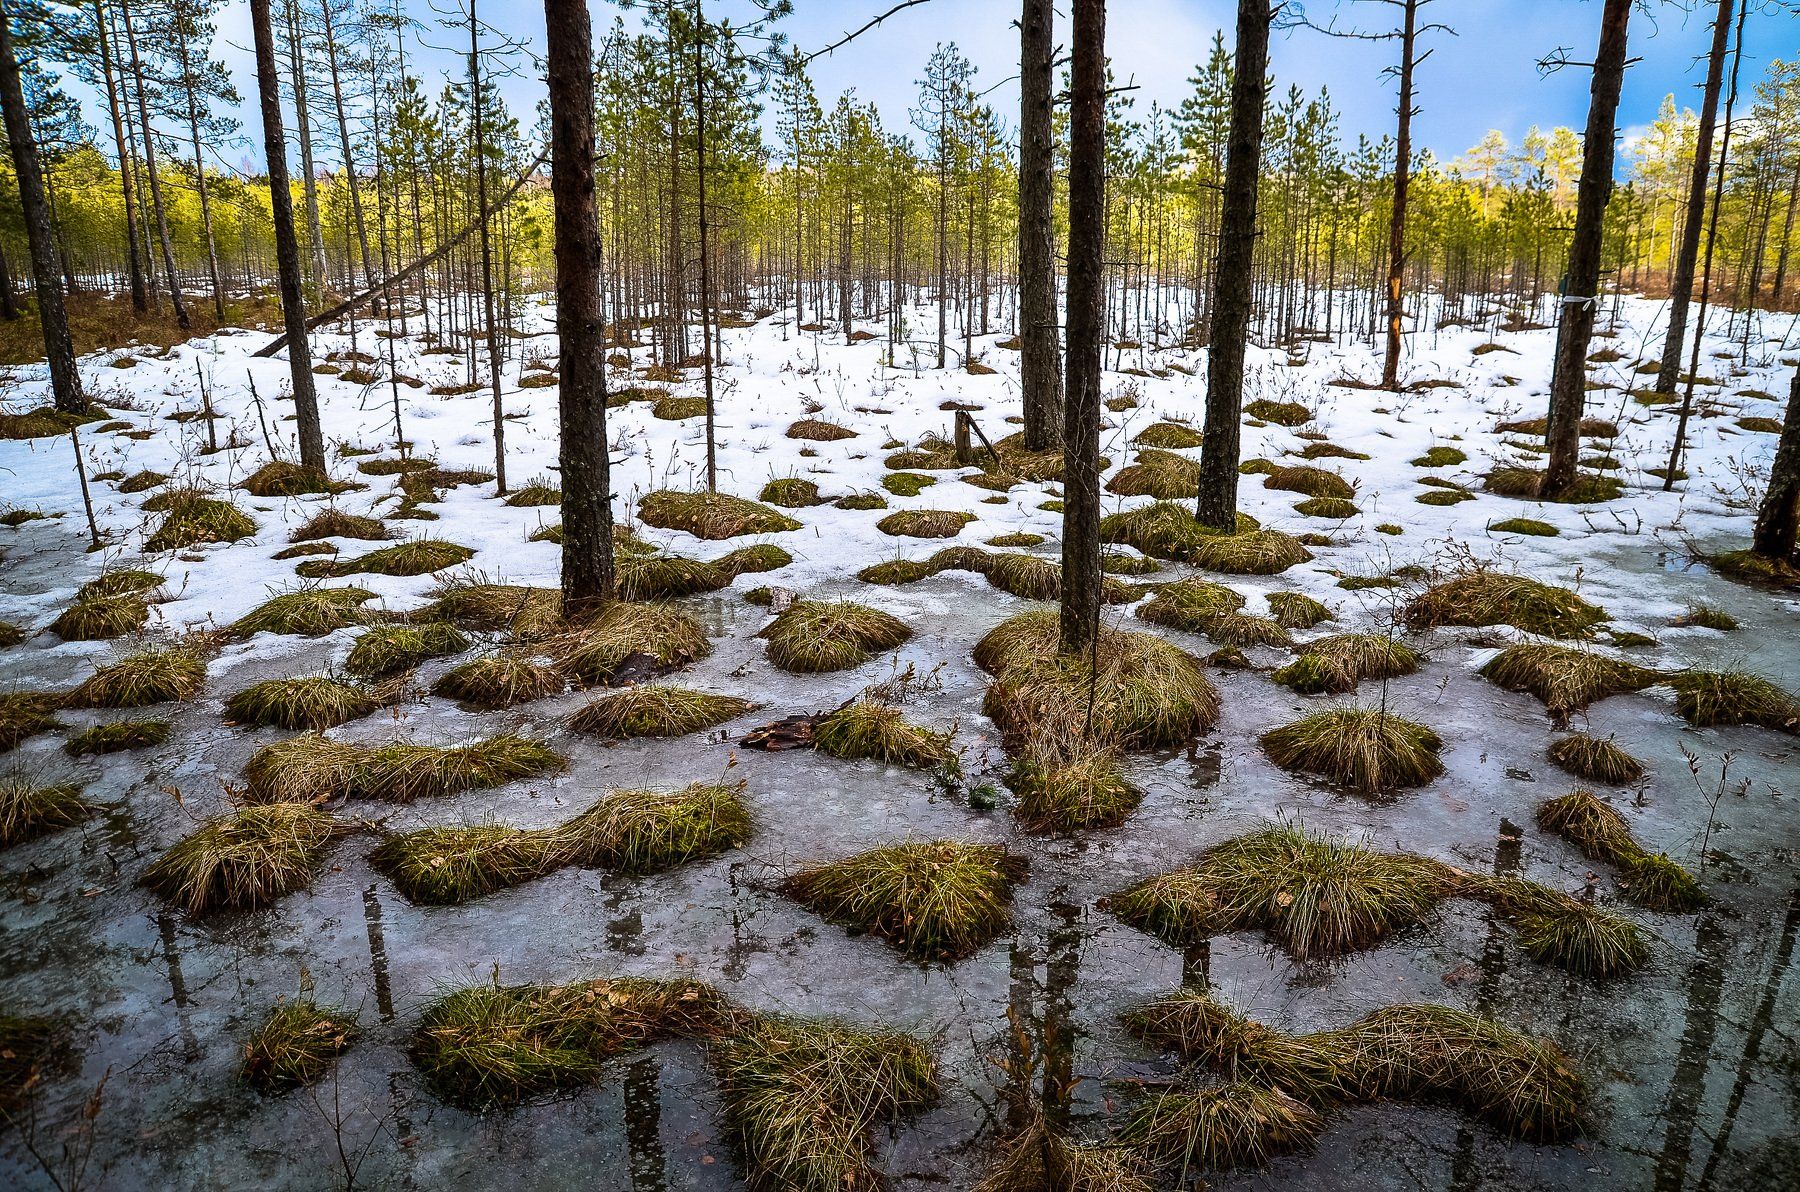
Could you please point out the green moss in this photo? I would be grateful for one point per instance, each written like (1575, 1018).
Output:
(1441, 457)
(907, 484)
(1524, 525)
(1332, 508)
(791, 492)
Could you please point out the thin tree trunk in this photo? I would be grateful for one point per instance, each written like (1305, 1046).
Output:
(206, 219)
(156, 201)
(337, 96)
(65, 381)
(315, 233)
(1233, 271)
(9, 308)
(1085, 320)
(287, 245)
(1581, 300)
(1681, 285)
(706, 341)
(140, 301)
(487, 251)
(1390, 367)
(587, 554)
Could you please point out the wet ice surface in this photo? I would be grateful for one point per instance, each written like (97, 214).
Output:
(1692, 1060)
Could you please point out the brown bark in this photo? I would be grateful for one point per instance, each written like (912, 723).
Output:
(1040, 368)
(140, 300)
(1390, 366)
(150, 172)
(1778, 521)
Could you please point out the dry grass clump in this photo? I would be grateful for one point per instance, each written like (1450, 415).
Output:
(389, 649)
(1156, 473)
(1162, 530)
(804, 1099)
(1294, 610)
(1328, 508)
(152, 676)
(192, 519)
(674, 408)
(1037, 1158)
(1240, 630)
(1336, 664)
(313, 768)
(101, 617)
(488, 1045)
(811, 636)
(1596, 760)
(280, 478)
(117, 736)
(791, 492)
(1566, 678)
(28, 811)
(1171, 436)
(24, 714)
(1600, 832)
(1033, 578)
(1588, 488)
(335, 523)
(647, 831)
(1239, 1124)
(817, 430)
(245, 859)
(1312, 482)
(861, 501)
(1524, 1086)
(541, 491)
(1491, 598)
(924, 523)
(1190, 604)
(308, 611)
(10, 634)
(296, 1043)
(627, 642)
(1708, 698)
(499, 680)
(421, 556)
(1068, 782)
(448, 866)
(752, 560)
(1368, 750)
(933, 900)
(1281, 413)
(470, 602)
(1258, 552)
(872, 728)
(142, 481)
(308, 702)
(712, 516)
(1557, 929)
(656, 710)
(1147, 691)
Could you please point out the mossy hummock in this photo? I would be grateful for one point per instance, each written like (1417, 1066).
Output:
(308, 612)
(811, 636)
(245, 859)
(934, 900)
(314, 768)
(872, 728)
(296, 1043)
(711, 515)
(656, 710)
(1491, 598)
(1370, 751)
(1336, 664)
(148, 677)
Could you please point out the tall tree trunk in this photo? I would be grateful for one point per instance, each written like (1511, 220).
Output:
(65, 381)
(1233, 272)
(206, 219)
(1581, 295)
(1390, 366)
(315, 232)
(706, 278)
(9, 307)
(587, 554)
(156, 200)
(487, 250)
(343, 124)
(1778, 521)
(1787, 236)
(287, 245)
(140, 300)
(1085, 320)
(1681, 285)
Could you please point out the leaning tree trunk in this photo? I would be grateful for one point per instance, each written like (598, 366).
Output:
(1681, 285)
(1085, 320)
(1232, 296)
(1778, 521)
(1581, 299)
(1040, 372)
(65, 381)
(587, 555)
(287, 245)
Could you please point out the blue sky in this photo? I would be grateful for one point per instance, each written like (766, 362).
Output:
(1484, 77)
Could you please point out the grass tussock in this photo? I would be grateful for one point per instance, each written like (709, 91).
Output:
(811, 636)
(153, 676)
(387, 650)
(246, 859)
(314, 769)
(924, 523)
(627, 642)
(1596, 759)
(752, 560)
(1309, 481)
(1258, 552)
(421, 556)
(1162, 530)
(192, 519)
(280, 478)
(1295, 610)
(500, 680)
(470, 602)
(1067, 782)
(1242, 1123)
(307, 702)
(1708, 698)
(541, 491)
(28, 811)
(117, 736)
(817, 430)
(295, 1045)
(1190, 604)
(1169, 436)
(1600, 832)
(1036, 1158)
(872, 728)
(335, 523)
(1565, 678)
(1148, 692)
(713, 516)
(25, 714)
(656, 710)
(933, 900)
(791, 492)
(1367, 750)
(98, 616)
(1555, 928)
(1281, 413)
(1482, 598)
(449, 866)
(1157, 473)
(1522, 1085)
(1336, 664)
(309, 611)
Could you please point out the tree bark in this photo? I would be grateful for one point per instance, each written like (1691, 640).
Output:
(65, 380)
(1390, 366)
(587, 554)
(1233, 272)
(1040, 371)
(1581, 299)
(1778, 521)
(156, 200)
(479, 119)
(1681, 285)
(206, 219)
(287, 245)
(140, 300)
(1085, 320)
